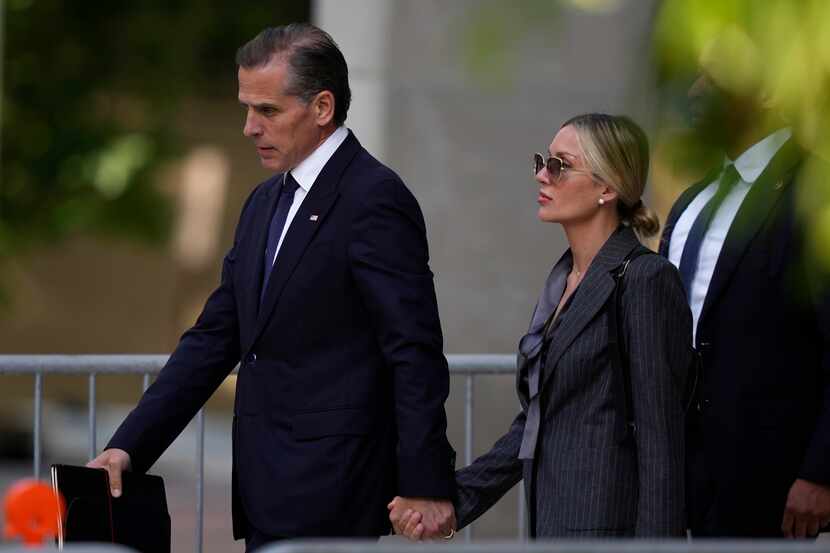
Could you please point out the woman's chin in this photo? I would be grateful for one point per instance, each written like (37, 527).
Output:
(546, 216)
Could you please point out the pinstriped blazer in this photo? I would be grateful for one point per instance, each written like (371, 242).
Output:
(581, 482)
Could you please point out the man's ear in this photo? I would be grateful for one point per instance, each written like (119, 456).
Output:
(323, 108)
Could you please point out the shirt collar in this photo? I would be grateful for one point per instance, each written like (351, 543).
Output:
(309, 169)
(755, 159)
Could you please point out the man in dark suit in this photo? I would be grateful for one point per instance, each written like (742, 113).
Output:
(327, 302)
(759, 435)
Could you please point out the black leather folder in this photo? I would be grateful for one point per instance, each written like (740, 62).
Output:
(138, 519)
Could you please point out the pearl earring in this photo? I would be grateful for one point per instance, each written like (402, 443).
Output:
(601, 201)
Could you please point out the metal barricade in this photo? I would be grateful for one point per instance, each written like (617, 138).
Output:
(468, 366)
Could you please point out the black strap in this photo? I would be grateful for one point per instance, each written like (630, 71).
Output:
(627, 427)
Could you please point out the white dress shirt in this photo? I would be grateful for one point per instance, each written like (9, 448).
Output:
(307, 172)
(749, 165)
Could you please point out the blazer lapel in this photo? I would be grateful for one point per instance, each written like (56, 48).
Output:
(756, 207)
(591, 296)
(309, 218)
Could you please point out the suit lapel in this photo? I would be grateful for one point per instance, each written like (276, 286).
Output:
(591, 296)
(680, 206)
(253, 257)
(309, 218)
(756, 207)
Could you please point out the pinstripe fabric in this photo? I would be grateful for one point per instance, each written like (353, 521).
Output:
(583, 482)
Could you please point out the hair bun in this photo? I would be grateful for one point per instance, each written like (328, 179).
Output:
(643, 220)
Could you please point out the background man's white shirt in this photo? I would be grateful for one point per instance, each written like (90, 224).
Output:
(749, 165)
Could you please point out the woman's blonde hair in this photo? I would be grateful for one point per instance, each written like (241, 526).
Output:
(616, 149)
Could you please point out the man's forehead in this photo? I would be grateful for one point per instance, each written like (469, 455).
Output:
(265, 81)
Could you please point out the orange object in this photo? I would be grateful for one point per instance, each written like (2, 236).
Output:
(34, 512)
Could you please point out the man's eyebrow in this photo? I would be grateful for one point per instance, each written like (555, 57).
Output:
(256, 105)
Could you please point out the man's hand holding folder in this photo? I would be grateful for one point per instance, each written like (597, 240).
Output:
(114, 461)
(132, 511)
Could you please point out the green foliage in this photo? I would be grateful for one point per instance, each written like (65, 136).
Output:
(91, 93)
(769, 60)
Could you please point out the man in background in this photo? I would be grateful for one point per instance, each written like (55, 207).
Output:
(759, 433)
(327, 303)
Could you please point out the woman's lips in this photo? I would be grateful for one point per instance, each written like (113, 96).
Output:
(543, 198)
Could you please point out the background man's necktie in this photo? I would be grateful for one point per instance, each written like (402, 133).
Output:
(691, 250)
(289, 186)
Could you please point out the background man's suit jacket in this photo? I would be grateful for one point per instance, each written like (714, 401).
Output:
(581, 481)
(764, 340)
(342, 382)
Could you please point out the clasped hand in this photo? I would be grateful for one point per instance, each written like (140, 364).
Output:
(807, 509)
(422, 518)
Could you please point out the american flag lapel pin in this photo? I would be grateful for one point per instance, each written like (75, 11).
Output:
(313, 217)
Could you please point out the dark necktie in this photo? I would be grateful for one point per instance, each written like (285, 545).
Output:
(289, 186)
(691, 250)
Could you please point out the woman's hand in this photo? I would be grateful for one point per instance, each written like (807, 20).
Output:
(421, 518)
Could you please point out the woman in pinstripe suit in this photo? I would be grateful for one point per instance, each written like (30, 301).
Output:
(585, 473)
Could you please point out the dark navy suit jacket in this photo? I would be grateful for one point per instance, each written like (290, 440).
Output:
(342, 381)
(764, 341)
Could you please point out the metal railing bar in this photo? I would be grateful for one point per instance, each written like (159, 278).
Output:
(460, 364)
(521, 515)
(486, 363)
(200, 479)
(468, 436)
(82, 364)
(93, 446)
(38, 408)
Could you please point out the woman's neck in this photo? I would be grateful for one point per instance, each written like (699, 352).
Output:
(586, 238)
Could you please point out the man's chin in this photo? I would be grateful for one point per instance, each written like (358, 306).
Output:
(272, 165)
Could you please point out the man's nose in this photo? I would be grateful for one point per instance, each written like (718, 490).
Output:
(252, 126)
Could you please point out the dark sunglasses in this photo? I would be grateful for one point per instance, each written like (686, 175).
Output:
(556, 166)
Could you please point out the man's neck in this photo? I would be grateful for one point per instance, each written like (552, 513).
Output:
(752, 134)
(325, 133)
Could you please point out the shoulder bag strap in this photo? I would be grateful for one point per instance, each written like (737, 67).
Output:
(621, 369)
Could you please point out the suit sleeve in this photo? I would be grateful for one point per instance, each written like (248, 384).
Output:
(389, 262)
(816, 464)
(489, 477)
(658, 327)
(204, 356)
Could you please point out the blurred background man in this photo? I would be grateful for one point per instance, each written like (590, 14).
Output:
(759, 438)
